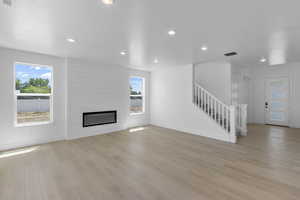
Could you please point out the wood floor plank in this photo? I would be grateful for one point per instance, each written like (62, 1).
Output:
(157, 163)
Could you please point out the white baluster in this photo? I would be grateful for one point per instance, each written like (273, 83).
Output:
(207, 102)
(198, 92)
(228, 120)
(232, 134)
(209, 105)
(221, 115)
(195, 95)
(214, 109)
(205, 95)
(244, 119)
(202, 99)
(224, 118)
(219, 110)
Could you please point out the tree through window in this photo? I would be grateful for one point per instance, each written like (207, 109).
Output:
(137, 104)
(33, 94)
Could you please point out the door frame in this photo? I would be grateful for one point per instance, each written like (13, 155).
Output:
(288, 101)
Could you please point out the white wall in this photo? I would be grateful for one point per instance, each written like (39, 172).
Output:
(172, 107)
(98, 87)
(260, 73)
(216, 78)
(241, 88)
(11, 136)
(79, 86)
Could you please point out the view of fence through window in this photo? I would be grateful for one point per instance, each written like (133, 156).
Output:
(136, 95)
(33, 93)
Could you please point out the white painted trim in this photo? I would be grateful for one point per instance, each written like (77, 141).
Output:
(213, 96)
(143, 95)
(266, 98)
(33, 124)
(66, 82)
(21, 144)
(30, 94)
(140, 113)
(95, 133)
(222, 137)
(34, 94)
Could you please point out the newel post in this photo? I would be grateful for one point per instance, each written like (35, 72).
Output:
(244, 120)
(232, 133)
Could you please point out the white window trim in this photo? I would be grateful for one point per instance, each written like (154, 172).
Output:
(32, 94)
(139, 95)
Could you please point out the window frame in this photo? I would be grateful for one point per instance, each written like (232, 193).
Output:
(15, 96)
(139, 95)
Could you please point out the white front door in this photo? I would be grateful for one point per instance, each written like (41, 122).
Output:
(277, 101)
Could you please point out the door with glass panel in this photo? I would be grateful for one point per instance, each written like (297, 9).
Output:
(277, 101)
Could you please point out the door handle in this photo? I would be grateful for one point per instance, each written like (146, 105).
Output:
(266, 105)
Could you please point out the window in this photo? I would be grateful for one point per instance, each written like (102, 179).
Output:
(137, 100)
(33, 94)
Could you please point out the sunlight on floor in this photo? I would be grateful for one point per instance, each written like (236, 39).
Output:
(132, 130)
(18, 152)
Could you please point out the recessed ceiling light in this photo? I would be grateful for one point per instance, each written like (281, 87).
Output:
(263, 60)
(71, 40)
(204, 48)
(171, 32)
(123, 53)
(108, 2)
(155, 61)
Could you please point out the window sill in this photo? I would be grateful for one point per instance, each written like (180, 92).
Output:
(136, 114)
(33, 124)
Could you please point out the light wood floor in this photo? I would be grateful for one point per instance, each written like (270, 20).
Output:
(155, 164)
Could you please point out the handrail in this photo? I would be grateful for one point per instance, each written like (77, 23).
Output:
(224, 115)
(213, 96)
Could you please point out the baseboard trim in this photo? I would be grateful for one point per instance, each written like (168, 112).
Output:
(22, 144)
(91, 134)
(223, 138)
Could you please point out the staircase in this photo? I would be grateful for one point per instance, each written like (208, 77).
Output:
(231, 118)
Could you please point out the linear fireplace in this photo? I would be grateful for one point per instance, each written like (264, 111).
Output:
(99, 118)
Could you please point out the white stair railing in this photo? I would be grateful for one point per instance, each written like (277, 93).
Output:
(230, 118)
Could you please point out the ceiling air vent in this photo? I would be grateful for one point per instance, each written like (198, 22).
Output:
(230, 54)
(7, 2)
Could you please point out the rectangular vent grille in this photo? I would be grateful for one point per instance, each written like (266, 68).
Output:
(231, 54)
(99, 118)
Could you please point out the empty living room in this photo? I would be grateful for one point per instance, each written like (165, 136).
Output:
(149, 100)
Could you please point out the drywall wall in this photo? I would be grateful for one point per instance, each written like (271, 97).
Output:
(216, 78)
(98, 87)
(172, 106)
(11, 136)
(260, 73)
(79, 86)
(241, 88)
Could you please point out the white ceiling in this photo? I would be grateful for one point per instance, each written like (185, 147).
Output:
(253, 28)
